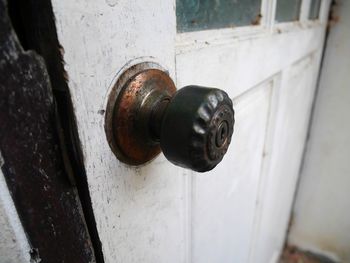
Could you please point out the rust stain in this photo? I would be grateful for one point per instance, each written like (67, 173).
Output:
(132, 140)
(257, 20)
(334, 17)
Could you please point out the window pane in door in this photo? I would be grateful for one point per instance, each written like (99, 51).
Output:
(195, 15)
(314, 9)
(287, 10)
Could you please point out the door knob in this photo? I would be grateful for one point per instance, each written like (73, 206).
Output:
(146, 115)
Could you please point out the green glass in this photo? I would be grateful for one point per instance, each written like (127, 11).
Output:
(287, 10)
(314, 9)
(195, 15)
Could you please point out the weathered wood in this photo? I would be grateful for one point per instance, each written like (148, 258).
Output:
(35, 24)
(48, 205)
(157, 212)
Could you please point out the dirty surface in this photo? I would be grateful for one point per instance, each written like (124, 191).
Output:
(46, 202)
(126, 128)
(293, 255)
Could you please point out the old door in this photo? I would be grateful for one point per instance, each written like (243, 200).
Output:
(265, 54)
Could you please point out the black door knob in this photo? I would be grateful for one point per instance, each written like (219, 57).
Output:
(145, 114)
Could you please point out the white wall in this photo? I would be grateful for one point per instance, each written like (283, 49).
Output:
(321, 221)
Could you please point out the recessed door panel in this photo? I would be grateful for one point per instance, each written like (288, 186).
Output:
(224, 200)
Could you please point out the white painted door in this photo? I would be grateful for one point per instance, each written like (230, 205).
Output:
(239, 211)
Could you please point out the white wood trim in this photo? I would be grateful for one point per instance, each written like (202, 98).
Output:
(324, 10)
(268, 148)
(304, 10)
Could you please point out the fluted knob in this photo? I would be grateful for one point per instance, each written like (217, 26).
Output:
(197, 127)
(145, 114)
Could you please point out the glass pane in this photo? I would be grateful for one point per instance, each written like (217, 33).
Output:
(287, 10)
(193, 15)
(314, 9)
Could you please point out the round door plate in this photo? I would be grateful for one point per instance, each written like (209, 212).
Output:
(129, 109)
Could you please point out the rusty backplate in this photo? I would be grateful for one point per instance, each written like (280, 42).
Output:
(132, 101)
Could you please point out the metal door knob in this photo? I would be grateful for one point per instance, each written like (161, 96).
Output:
(145, 114)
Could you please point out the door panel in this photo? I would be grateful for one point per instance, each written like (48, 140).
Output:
(237, 67)
(224, 200)
(293, 111)
(162, 213)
